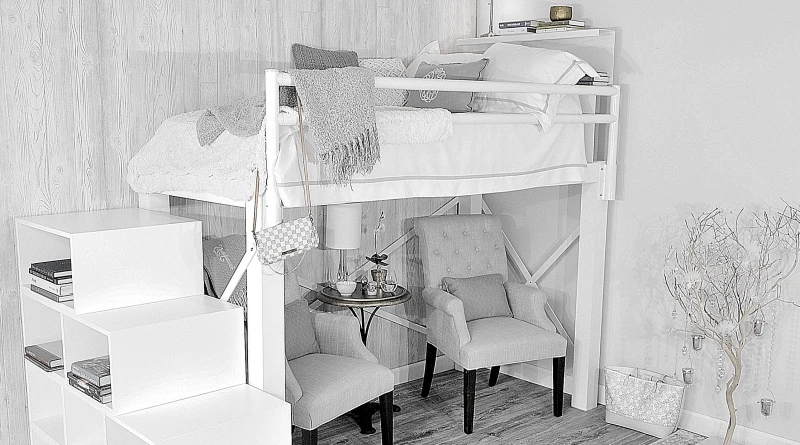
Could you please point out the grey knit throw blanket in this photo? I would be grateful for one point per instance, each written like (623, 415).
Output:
(338, 109)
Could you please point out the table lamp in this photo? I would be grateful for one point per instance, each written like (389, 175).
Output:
(342, 232)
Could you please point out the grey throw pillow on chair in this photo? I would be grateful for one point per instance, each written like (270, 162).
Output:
(300, 338)
(483, 296)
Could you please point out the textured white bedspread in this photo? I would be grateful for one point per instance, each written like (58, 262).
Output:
(173, 160)
(478, 159)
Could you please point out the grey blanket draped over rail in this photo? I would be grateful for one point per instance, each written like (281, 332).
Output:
(338, 109)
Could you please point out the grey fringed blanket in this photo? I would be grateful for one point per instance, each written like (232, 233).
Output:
(338, 108)
(242, 118)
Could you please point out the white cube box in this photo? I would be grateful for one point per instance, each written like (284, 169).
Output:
(164, 351)
(120, 257)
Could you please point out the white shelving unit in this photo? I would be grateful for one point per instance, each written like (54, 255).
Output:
(177, 356)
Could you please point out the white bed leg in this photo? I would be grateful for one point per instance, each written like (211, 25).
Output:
(265, 287)
(154, 201)
(589, 298)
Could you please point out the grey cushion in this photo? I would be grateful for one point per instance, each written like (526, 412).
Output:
(333, 385)
(221, 256)
(504, 340)
(387, 68)
(483, 296)
(300, 338)
(309, 58)
(455, 101)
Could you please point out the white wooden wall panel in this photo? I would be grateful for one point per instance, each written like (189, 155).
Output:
(83, 85)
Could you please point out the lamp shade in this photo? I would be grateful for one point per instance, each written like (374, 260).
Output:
(343, 226)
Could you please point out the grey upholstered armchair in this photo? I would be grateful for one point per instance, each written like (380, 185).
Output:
(330, 372)
(494, 322)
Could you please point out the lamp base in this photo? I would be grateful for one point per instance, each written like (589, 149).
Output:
(342, 274)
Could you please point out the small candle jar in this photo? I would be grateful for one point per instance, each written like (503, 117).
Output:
(758, 327)
(766, 406)
(697, 342)
(688, 375)
(372, 288)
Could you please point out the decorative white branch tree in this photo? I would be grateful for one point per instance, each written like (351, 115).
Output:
(729, 267)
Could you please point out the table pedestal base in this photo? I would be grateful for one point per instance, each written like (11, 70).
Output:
(363, 416)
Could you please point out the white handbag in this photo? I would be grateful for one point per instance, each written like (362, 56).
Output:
(643, 400)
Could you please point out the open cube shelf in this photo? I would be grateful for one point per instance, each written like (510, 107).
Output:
(120, 257)
(177, 356)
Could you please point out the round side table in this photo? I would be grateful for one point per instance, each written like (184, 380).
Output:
(359, 300)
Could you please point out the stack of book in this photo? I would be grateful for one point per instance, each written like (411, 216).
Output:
(517, 27)
(92, 377)
(560, 25)
(53, 279)
(526, 26)
(601, 79)
(48, 356)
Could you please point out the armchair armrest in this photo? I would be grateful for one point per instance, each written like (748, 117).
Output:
(339, 335)
(293, 391)
(527, 304)
(447, 326)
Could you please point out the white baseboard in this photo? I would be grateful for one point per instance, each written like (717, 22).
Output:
(414, 371)
(712, 427)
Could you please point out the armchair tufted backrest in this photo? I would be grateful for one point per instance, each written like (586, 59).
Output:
(460, 246)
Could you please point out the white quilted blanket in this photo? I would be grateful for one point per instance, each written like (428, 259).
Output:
(173, 160)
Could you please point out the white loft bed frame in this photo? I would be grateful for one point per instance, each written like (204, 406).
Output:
(266, 354)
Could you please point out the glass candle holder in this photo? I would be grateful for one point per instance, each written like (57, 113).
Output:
(688, 375)
(758, 327)
(697, 342)
(766, 406)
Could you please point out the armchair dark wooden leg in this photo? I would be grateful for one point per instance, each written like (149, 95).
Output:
(469, 399)
(430, 363)
(309, 437)
(558, 385)
(387, 421)
(493, 375)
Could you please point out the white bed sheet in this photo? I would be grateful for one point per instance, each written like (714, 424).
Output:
(484, 158)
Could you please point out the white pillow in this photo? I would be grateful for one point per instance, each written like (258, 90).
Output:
(433, 56)
(387, 68)
(517, 63)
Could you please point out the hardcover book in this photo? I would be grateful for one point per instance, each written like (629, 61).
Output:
(50, 295)
(519, 24)
(102, 395)
(49, 354)
(55, 268)
(58, 289)
(507, 31)
(96, 371)
(60, 280)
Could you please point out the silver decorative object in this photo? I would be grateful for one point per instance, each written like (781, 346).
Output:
(688, 375)
(697, 342)
(491, 20)
(766, 406)
(758, 327)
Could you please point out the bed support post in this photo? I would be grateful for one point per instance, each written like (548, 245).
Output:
(265, 287)
(591, 270)
(470, 205)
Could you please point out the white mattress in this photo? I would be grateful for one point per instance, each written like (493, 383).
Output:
(479, 159)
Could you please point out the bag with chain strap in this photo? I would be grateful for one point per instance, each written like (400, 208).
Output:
(290, 238)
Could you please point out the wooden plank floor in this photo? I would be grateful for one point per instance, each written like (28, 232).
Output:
(513, 412)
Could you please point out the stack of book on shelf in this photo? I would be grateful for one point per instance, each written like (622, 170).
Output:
(92, 377)
(517, 27)
(48, 356)
(560, 25)
(53, 279)
(601, 79)
(539, 26)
